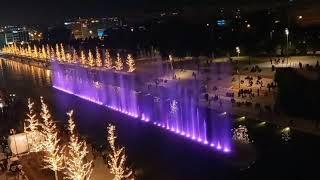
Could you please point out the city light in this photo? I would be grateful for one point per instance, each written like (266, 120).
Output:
(58, 54)
(242, 118)
(238, 50)
(286, 31)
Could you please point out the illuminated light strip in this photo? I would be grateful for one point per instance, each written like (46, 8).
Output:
(144, 118)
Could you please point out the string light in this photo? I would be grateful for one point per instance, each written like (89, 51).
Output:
(108, 60)
(53, 157)
(240, 134)
(35, 52)
(43, 52)
(63, 55)
(52, 54)
(58, 55)
(83, 58)
(48, 51)
(74, 56)
(285, 134)
(90, 59)
(98, 58)
(76, 166)
(69, 58)
(29, 51)
(118, 63)
(31, 128)
(130, 63)
(117, 157)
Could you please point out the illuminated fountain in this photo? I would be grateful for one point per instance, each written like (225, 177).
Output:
(173, 108)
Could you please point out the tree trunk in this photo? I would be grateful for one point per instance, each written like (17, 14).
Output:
(56, 174)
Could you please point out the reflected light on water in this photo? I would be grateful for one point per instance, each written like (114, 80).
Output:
(38, 75)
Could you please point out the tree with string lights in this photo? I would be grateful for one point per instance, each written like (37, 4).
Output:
(53, 54)
(98, 58)
(35, 52)
(108, 61)
(69, 57)
(63, 54)
(29, 51)
(43, 52)
(48, 51)
(31, 128)
(130, 63)
(90, 59)
(58, 55)
(83, 58)
(77, 167)
(118, 63)
(53, 157)
(117, 157)
(74, 56)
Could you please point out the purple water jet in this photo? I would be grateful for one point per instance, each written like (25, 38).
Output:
(173, 108)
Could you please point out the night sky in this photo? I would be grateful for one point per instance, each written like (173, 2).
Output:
(44, 11)
(52, 11)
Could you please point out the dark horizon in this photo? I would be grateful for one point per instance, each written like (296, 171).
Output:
(41, 12)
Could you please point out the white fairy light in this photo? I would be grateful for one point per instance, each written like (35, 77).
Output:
(117, 157)
(118, 63)
(130, 63)
(108, 60)
(77, 167)
(53, 157)
(31, 128)
(240, 134)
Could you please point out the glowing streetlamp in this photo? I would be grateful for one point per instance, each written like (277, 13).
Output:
(286, 31)
(1, 106)
(171, 61)
(238, 50)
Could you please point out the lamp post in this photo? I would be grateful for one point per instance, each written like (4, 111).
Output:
(171, 64)
(171, 61)
(238, 50)
(239, 78)
(1, 106)
(287, 34)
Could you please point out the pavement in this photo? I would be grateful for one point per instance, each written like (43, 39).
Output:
(266, 98)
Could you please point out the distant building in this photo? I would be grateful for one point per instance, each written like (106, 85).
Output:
(83, 28)
(101, 32)
(2, 40)
(78, 29)
(14, 35)
(58, 34)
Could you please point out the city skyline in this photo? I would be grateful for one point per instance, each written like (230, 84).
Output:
(41, 12)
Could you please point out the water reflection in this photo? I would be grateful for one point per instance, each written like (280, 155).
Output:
(39, 76)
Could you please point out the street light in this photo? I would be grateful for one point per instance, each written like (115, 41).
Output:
(171, 61)
(1, 106)
(238, 50)
(287, 34)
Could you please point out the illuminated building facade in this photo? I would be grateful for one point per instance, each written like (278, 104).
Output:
(12, 35)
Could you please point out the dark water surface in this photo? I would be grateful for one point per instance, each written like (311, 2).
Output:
(154, 153)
